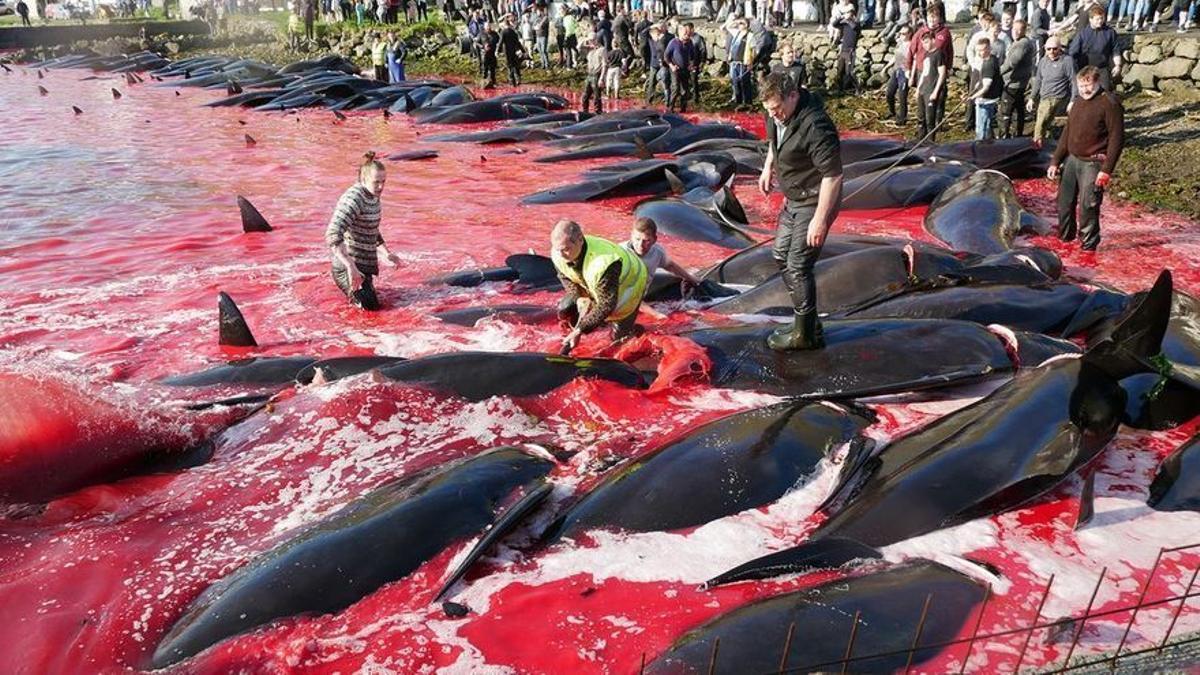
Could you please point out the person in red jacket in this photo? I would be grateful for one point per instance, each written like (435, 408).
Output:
(935, 24)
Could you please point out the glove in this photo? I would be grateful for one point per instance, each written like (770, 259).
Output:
(1102, 180)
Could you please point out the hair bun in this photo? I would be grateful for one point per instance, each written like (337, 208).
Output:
(369, 156)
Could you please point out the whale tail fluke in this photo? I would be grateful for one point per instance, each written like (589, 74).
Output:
(233, 331)
(1130, 346)
(252, 220)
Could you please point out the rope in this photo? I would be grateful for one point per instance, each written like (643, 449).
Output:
(916, 146)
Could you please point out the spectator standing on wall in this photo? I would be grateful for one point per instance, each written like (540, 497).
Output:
(840, 9)
(1096, 45)
(845, 61)
(1039, 25)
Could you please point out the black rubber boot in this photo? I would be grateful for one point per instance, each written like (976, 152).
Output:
(786, 278)
(805, 334)
(785, 329)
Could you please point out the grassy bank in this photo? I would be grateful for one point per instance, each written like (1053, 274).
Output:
(1162, 138)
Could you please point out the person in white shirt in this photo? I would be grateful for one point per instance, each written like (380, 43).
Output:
(643, 242)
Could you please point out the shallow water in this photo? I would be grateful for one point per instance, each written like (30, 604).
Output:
(119, 226)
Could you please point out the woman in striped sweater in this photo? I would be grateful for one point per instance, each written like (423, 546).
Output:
(354, 239)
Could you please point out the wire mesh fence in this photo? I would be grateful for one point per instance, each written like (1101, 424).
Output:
(1073, 624)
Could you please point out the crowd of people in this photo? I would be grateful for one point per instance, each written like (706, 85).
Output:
(1009, 57)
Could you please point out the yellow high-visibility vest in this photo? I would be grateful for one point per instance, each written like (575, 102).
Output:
(598, 256)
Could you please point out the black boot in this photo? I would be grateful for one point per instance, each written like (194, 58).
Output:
(805, 334)
(785, 328)
(788, 327)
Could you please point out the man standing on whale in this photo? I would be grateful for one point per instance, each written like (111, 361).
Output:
(803, 143)
(604, 283)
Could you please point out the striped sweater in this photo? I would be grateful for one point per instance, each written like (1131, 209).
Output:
(355, 222)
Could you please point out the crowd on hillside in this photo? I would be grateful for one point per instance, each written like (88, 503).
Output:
(1019, 66)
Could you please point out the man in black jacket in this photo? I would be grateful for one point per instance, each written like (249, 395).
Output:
(700, 49)
(514, 51)
(622, 28)
(489, 43)
(802, 142)
(641, 30)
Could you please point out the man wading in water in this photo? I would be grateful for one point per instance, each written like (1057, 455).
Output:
(604, 283)
(354, 239)
(803, 142)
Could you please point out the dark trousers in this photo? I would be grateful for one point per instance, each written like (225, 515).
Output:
(489, 71)
(930, 115)
(695, 75)
(680, 89)
(970, 117)
(897, 93)
(514, 72)
(364, 297)
(381, 73)
(795, 257)
(1078, 188)
(593, 87)
(1012, 101)
(845, 71)
(655, 78)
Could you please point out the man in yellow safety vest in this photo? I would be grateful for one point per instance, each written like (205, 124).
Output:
(604, 282)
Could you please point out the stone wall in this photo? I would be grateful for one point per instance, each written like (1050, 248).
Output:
(1154, 61)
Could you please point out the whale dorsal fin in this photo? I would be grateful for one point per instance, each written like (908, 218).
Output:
(233, 331)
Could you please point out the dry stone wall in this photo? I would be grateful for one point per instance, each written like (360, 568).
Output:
(1155, 61)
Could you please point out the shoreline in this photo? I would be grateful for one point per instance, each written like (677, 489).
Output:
(1162, 129)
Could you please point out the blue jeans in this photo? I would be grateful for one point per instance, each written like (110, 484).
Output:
(985, 120)
(543, 50)
(740, 79)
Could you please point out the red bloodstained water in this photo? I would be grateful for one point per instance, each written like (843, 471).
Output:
(119, 226)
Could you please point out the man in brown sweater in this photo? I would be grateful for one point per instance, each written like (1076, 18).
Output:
(1091, 145)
